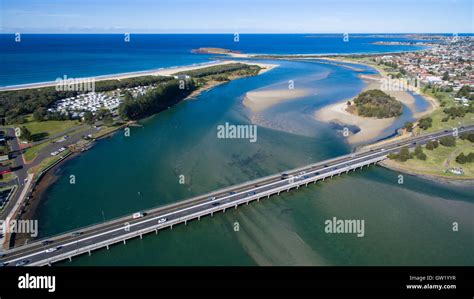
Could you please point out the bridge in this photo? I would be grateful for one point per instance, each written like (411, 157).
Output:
(88, 239)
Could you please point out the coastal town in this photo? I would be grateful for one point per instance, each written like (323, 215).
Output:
(446, 64)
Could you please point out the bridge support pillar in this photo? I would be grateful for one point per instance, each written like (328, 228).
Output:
(171, 226)
(156, 231)
(107, 247)
(212, 214)
(199, 218)
(314, 182)
(70, 259)
(306, 184)
(268, 196)
(278, 192)
(235, 207)
(89, 253)
(339, 174)
(247, 203)
(186, 221)
(124, 242)
(258, 199)
(223, 211)
(297, 187)
(141, 236)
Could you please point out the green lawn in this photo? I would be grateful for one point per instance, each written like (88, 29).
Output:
(7, 177)
(44, 129)
(32, 152)
(440, 159)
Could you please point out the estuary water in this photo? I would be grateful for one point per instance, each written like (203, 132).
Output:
(405, 224)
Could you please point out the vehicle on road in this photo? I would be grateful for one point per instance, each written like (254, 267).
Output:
(162, 220)
(76, 234)
(284, 176)
(22, 263)
(47, 242)
(137, 215)
(4, 264)
(215, 204)
(212, 198)
(52, 249)
(232, 192)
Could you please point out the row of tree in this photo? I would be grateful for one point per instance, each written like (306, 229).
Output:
(462, 158)
(161, 97)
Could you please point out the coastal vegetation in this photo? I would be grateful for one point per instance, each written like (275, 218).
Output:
(154, 101)
(376, 103)
(223, 72)
(169, 93)
(15, 105)
(439, 159)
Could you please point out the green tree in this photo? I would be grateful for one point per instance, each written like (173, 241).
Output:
(108, 120)
(445, 76)
(425, 123)
(404, 154)
(408, 126)
(25, 134)
(461, 158)
(448, 141)
(39, 114)
(89, 118)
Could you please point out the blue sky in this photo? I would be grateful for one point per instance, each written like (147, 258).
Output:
(243, 16)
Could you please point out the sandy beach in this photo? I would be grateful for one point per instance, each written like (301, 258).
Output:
(370, 128)
(156, 72)
(259, 100)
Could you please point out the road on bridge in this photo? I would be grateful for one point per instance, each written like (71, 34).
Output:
(66, 245)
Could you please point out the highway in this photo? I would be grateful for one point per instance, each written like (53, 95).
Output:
(85, 240)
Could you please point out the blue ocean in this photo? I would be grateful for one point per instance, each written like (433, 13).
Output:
(45, 57)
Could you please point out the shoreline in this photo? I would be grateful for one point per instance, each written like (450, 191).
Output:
(431, 177)
(166, 71)
(49, 177)
(370, 128)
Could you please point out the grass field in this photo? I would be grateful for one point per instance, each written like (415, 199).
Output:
(44, 129)
(439, 160)
(7, 177)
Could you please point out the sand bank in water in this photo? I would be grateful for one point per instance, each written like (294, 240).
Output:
(370, 128)
(260, 100)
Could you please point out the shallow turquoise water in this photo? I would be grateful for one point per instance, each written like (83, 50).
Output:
(407, 224)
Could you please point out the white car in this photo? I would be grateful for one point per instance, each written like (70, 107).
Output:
(162, 220)
(137, 215)
(54, 153)
(53, 249)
